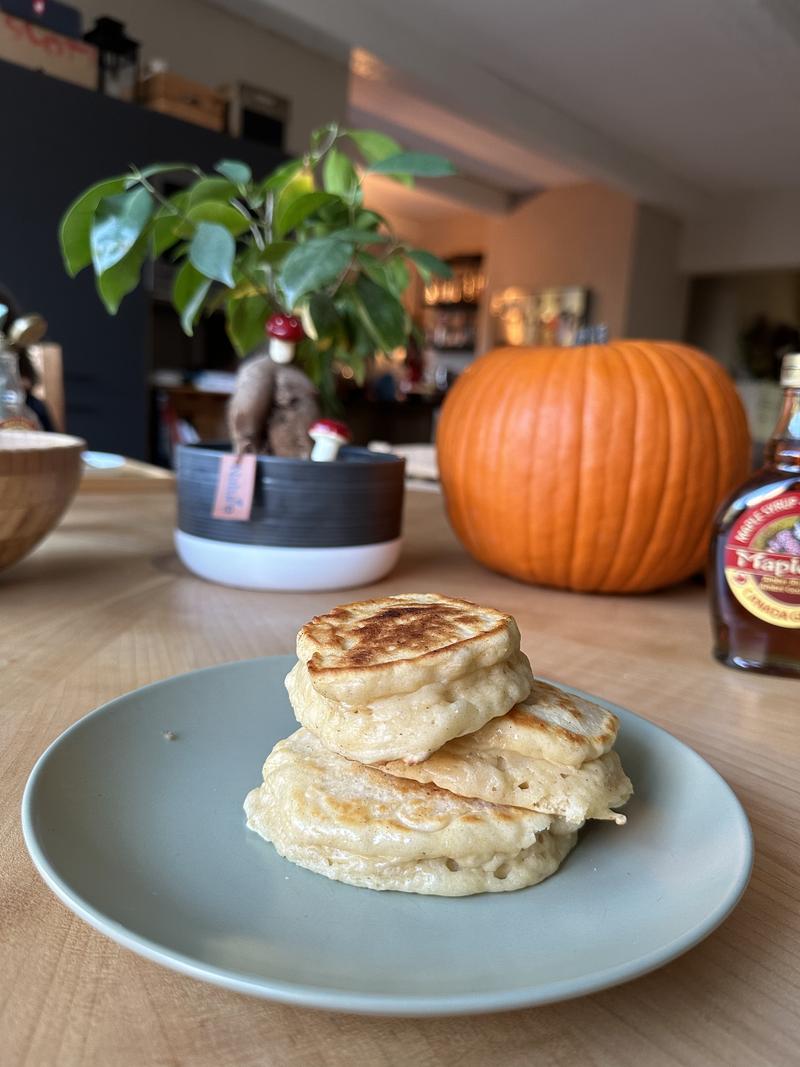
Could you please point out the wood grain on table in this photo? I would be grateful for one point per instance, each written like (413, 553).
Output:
(103, 606)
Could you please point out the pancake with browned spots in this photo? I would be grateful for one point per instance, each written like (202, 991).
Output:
(355, 824)
(409, 726)
(553, 724)
(549, 754)
(361, 652)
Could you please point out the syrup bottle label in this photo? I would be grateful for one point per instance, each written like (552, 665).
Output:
(762, 560)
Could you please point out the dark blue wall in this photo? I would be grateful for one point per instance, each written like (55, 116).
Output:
(56, 139)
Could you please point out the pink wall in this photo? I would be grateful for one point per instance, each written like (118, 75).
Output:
(581, 235)
(624, 252)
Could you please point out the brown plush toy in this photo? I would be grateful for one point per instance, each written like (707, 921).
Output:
(274, 403)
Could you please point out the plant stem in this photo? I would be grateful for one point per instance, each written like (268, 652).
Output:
(334, 289)
(254, 230)
(333, 135)
(159, 197)
(269, 211)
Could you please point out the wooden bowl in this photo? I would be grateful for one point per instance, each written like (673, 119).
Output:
(39, 473)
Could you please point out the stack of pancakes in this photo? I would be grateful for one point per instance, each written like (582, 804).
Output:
(429, 759)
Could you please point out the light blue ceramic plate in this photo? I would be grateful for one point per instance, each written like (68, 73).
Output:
(145, 839)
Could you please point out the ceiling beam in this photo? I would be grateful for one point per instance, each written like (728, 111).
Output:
(476, 93)
(466, 189)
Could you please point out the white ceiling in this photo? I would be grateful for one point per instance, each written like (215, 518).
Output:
(671, 100)
(381, 95)
(708, 89)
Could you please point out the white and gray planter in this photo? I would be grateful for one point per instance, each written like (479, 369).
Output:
(312, 526)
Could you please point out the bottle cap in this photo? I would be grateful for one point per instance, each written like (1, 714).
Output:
(790, 370)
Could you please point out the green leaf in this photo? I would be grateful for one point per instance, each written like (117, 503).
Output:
(300, 185)
(218, 211)
(188, 293)
(324, 316)
(374, 146)
(335, 214)
(391, 274)
(382, 314)
(159, 168)
(117, 281)
(296, 211)
(168, 227)
(118, 222)
(428, 265)
(322, 134)
(212, 252)
(274, 252)
(245, 322)
(312, 265)
(397, 275)
(254, 266)
(281, 177)
(338, 175)
(234, 170)
(73, 233)
(368, 220)
(210, 189)
(356, 236)
(416, 164)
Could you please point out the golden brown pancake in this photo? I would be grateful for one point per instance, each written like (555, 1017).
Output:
(355, 824)
(361, 652)
(412, 725)
(502, 776)
(554, 725)
(551, 754)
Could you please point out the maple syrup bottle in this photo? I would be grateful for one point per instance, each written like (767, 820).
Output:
(755, 553)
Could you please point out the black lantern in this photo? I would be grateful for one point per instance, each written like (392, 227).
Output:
(118, 58)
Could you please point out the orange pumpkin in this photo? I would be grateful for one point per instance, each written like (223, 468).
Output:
(596, 468)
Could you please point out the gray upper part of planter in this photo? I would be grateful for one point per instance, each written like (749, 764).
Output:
(355, 500)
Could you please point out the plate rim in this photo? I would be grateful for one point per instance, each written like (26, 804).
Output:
(302, 994)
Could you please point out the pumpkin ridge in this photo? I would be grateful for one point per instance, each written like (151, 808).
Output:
(634, 581)
(500, 527)
(458, 509)
(701, 531)
(573, 564)
(572, 451)
(539, 454)
(699, 548)
(628, 513)
(449, 451)
(639, 472)
(548, 488)
(681, 505)
(630, 452)
(474, 476)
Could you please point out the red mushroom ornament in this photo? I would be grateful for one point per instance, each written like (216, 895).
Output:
(284, 332)
(328, 436)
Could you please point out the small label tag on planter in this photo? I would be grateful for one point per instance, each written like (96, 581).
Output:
(235, 484)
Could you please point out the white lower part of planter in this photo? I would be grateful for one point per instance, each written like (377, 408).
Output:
(282, 568)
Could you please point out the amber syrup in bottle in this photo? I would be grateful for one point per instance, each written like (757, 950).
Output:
(755, 553)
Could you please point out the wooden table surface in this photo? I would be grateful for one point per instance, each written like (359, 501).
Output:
(103, 606)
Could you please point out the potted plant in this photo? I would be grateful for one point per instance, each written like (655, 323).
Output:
(295, 254)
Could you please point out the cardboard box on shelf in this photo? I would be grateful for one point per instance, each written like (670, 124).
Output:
(173, 95)
(48, 14)
(41, 49)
